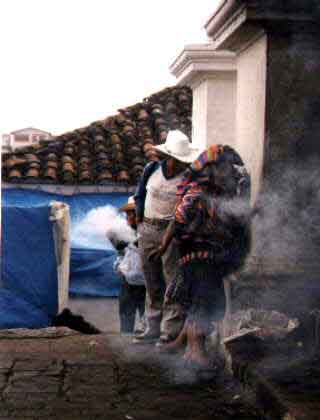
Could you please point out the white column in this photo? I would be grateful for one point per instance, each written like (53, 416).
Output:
(212, 77)
(199, 114)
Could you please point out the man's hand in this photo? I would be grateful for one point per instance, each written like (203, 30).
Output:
(156, 253)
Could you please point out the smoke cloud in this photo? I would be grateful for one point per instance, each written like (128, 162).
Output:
(282, 269)
(287, 226)
(100, 226)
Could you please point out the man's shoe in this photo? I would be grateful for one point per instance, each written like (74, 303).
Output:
(146, 337)
(164, 339)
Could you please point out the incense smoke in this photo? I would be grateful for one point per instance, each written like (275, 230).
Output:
(100, 226)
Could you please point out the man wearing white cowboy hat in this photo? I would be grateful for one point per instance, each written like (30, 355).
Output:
(155, 200)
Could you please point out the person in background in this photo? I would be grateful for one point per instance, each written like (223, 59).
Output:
(132, 289)
(155, 200)
(212, 232)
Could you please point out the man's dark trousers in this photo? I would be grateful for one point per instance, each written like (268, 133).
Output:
(131, 299)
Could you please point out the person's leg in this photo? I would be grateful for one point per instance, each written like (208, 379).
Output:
(208, 304)
(140, 297)
(149, 239)
(140, 302)
(126, 309)
(178, 344)
(173, 313)
(196, 352)
(178, 292)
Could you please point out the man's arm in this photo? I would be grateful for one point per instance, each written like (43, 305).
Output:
(140, 194)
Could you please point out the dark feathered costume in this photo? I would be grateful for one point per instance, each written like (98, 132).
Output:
(212, 230)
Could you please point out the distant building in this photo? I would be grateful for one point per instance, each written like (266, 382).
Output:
(22, 138)
(5, 144)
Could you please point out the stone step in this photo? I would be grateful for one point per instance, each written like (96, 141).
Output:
(285, 378)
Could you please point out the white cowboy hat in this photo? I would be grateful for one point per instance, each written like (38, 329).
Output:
(130, 205)
(178, 146)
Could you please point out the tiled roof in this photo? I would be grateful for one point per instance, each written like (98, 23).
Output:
(110, 151)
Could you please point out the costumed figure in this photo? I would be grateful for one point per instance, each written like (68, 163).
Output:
(211, 230)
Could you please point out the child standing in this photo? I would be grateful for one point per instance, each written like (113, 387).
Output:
(132, 290)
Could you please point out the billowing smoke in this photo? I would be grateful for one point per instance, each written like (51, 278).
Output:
(286, 218)
(99, 227)
(283, 265)
(287, 227)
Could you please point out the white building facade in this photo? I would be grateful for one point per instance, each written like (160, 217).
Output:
(22, 138)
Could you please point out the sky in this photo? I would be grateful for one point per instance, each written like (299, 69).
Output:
(67, 63)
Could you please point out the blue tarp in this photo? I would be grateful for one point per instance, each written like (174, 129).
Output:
(29, 285)
(16, 312)
(92, 273)
(80, 204)
(91, 267)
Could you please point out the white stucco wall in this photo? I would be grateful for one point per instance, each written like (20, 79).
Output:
(199, 114)
(250, 112)
(214, 110)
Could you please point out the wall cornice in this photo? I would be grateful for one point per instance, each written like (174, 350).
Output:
(235, 18)
(199, 59)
